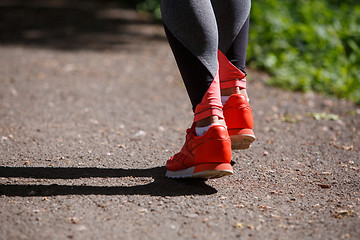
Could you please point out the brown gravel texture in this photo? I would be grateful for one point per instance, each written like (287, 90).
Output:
(91, 107)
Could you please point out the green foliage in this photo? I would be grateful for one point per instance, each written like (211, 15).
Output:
(308, 45)
(151, 6)
(304, 44)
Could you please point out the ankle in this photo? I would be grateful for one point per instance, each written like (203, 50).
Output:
(230, 91)
(212, 120)
(234, 90)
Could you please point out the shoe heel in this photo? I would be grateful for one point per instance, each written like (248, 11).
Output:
(217, 149)
(241, 142)
(240, 122)
(241, 138)
(212, 170)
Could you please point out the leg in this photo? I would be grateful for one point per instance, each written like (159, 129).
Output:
(233, 24)
(192, 33)
(191, 29)
(237, 56)
(237, 51)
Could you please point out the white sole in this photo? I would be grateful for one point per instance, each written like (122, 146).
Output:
(189, 173)
(241, 142)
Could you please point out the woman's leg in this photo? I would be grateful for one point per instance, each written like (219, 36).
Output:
(233, 24)
(237, 51)
(191, 29)
(230, 17)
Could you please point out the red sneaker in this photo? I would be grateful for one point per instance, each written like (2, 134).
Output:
(239, 121)
(207, 156)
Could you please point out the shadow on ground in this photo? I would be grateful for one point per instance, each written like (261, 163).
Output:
(161, 186)
(72, 25)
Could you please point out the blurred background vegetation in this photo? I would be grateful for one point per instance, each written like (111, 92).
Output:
(304, 45)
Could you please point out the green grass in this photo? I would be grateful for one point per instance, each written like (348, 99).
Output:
(308, 45)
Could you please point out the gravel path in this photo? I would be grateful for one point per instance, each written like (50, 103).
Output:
(92, 106)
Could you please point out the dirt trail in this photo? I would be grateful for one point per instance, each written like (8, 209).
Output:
(89, 116)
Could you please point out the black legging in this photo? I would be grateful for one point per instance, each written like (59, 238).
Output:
(196, 29)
